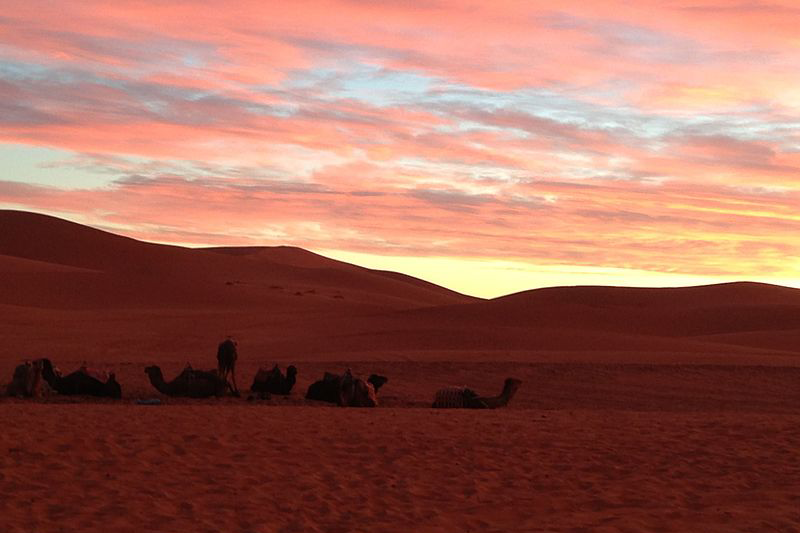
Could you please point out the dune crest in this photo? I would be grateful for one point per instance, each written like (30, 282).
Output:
(64, 282)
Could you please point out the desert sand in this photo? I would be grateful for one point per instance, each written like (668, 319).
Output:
(640, 409)
(254, 468)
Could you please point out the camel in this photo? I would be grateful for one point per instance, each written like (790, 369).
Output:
(27, 380)
(79, 382)
(466, 398)
(189, 383)
(273, 381)
(345, 390)
(226, 361)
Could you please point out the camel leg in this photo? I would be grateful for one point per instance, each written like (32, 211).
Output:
(233, 378)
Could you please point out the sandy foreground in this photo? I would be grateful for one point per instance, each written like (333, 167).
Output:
(584, 447)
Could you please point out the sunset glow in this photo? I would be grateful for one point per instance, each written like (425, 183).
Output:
(488, 147)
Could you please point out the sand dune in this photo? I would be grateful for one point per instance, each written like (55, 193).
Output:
(664, 311)
(692, 316)
(130, 273)
(140, 300)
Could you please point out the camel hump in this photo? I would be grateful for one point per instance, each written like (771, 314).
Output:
(99, 375)
(22, 370)
(25, 380)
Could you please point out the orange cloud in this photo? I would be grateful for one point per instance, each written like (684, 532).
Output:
(661, 135)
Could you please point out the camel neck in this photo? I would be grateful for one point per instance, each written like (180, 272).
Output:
(157, 380)
(49, 374)
(505, 396)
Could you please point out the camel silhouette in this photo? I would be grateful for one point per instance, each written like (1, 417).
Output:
(345, 390)
(80, 383)
(466, 398)
(273, 381)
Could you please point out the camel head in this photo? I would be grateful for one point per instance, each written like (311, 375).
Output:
(377, 381)
(154, 372)
(291, 371)
(112, 388)
(511, 386)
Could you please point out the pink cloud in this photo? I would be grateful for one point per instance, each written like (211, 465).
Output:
(680, 227)
(597, 133)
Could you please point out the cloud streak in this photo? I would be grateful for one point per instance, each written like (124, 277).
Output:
(661, 136)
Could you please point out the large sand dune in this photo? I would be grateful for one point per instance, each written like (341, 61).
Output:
(75, 292)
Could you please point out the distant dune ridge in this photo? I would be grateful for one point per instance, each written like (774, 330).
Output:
(64, 283)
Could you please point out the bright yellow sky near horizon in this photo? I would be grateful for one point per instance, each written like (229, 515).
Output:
(492, 278)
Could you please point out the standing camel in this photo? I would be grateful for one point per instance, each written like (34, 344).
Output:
(226, 362)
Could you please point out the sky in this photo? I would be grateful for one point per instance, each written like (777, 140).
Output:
(490, 147)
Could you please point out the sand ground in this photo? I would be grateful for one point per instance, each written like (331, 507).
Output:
(584, 447)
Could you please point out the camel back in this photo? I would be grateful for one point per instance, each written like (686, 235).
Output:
(453, 397)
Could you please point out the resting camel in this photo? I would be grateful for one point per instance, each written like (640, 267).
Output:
(226, 361)
(345, 390)
(356, 392)
(466, 398)
(80, 383)
(273, 381)
(27, 380)
(189, 383)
